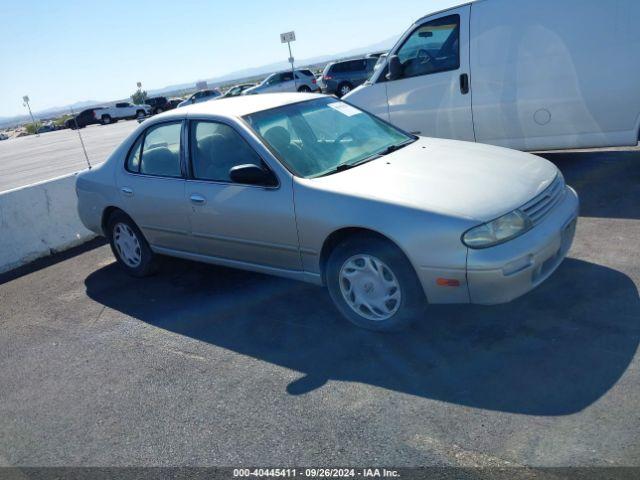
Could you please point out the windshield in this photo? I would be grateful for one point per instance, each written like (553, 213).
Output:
(317, 137)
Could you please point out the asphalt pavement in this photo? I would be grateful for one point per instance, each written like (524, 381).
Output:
(201, 365)
(32, 159)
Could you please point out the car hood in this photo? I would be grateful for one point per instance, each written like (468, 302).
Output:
(467, 180)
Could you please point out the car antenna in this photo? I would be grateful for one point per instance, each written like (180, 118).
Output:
(84, 149)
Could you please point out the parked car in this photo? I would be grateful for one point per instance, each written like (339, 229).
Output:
(305, 81)
(160, 104)
(514, 74)
(3, 136)
(46, 127)
(341, 77)
(200, 96)
(174, 102)
(84, 118)
(237, 90)
(314, 189)
(121, 111)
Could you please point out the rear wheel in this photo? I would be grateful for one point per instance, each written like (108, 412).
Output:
(373, 284)
(344, 88)
(129, 246)
(105, 119)
(304, 89)
(140, 114)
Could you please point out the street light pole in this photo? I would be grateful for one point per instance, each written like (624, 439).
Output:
(293, 70)
(25, 99)
(287, 38)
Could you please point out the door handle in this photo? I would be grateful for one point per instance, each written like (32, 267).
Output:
(127, 191)
(464, 83)
(197, 199)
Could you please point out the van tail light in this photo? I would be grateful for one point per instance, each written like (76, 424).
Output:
(313, 80)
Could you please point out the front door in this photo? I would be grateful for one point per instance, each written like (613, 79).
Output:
(247, 223)
(432, 96)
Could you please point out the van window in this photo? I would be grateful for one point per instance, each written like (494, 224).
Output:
(432, 47)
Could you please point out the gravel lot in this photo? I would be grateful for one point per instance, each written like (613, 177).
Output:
(202, 365)
(31, 159)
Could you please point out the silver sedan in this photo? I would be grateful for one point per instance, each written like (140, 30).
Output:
(311, 188)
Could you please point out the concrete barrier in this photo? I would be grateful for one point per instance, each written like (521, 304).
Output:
(38, 220)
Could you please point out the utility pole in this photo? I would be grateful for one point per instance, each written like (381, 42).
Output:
(25, 99)
(287, 38)
(84, 149)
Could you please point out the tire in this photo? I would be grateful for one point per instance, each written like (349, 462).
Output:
(105, 119)
(304, 89)
(384, 269)
(129, 246)
(159, 110)
(140, 113)
(343, 89)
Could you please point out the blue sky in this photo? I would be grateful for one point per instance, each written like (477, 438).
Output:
(60, 52)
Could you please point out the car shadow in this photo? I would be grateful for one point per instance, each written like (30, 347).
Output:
(607, 181)
(555, 351)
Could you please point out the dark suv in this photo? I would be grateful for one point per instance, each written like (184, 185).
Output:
(159, 104)
(84, 118)
(342, 77)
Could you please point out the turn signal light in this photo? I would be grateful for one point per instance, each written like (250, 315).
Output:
(447, 282)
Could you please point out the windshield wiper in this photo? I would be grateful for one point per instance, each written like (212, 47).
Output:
(346, 166)
(393, 148)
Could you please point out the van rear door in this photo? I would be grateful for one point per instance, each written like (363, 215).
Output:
(432, 96)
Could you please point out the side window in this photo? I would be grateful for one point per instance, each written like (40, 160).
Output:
(286, 77)
(133, 160)
(215, 149)
(161, 150)
(433, 47)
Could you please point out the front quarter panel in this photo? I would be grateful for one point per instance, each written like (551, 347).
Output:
(431, 241)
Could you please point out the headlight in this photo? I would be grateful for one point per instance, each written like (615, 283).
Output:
(497, 231)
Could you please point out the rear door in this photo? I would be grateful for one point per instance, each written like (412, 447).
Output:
(287, 83)
(432, 96)
(151, 186)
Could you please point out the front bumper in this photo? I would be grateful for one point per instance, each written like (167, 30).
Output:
(502, 273)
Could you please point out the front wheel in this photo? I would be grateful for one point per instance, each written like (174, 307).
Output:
(373, 284)
(304, 89)
(106, 120)
(130, 247)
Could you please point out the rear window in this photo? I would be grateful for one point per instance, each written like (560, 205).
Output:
(350, 66)
(308, 73)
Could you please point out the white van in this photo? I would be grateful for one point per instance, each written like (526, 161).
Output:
(525, 74)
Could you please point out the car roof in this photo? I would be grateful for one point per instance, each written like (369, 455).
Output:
(439, 6)
(241, 105)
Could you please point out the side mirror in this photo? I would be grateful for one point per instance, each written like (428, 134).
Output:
(251, 174)
(395, 68)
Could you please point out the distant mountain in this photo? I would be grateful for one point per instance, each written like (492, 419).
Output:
(238, 75)
(382, 46)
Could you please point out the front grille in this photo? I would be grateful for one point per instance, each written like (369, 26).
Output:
(540, 206)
